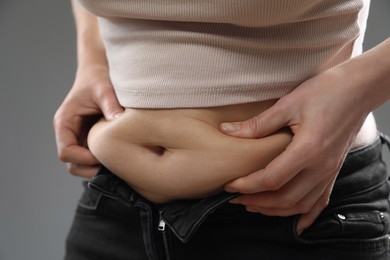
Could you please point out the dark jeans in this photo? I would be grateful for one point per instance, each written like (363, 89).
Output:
(114, 222)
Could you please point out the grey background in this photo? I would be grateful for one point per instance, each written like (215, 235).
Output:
(37, 64)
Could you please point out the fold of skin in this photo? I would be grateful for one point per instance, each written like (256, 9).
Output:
(173, 154)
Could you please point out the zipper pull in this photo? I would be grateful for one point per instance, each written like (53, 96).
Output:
(161, 225)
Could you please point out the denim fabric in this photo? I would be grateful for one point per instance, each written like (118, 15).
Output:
(113, 222)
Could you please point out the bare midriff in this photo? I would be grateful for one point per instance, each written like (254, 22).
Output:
(169, 154)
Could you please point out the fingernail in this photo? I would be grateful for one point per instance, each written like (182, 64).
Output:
(300, 231)
(249, 209)
(115, 116)
(230, 190)
(234, 201)
(230, 127)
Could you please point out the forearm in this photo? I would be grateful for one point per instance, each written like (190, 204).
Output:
(90, 47)
(370, 75)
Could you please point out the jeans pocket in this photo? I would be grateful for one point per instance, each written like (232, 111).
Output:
(89, 201)
(363, 224)
(352, 229)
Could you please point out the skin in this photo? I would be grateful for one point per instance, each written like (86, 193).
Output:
(325, 114)
(314, 156)
(171, 154)
(91, 95)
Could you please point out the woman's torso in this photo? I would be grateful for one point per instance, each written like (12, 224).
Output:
(200, 63)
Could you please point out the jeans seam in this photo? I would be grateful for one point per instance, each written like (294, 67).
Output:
(95, 204)
(149, 232)
(349, 195)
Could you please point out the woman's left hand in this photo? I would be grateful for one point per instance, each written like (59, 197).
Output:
(325, 114)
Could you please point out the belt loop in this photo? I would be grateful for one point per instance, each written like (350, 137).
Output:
(385, 139)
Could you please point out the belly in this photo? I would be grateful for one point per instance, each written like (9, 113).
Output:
(180, 153)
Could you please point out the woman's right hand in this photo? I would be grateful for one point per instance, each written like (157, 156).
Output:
(91, 95)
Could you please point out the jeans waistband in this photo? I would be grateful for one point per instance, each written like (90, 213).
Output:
(182, 216)
(185, 216)
(352, 177)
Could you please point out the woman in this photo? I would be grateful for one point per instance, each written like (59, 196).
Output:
(209, 90)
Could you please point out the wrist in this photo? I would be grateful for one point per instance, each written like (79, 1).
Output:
(369, 76)
(374, 70)
(91, 57)
(91, 62)
(91, 51)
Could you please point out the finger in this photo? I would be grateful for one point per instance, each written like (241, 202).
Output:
(298, 193)
(109, 104)
(78, 155)
(84, 171)
(293, 192)
(261, 125)
(304, 206)
(306, 220)
(70, 151)
(280, 170)
(277, 173)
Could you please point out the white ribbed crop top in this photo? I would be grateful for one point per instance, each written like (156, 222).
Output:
(202, 53)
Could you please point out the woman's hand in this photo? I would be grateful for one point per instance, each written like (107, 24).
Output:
(91, 95)
(325, 114)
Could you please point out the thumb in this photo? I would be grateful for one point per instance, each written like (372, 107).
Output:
(266, 123)
(110, 106)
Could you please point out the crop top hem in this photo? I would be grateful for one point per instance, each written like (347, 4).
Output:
(210, 97)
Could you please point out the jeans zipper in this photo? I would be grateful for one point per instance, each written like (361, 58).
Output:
(161, 228)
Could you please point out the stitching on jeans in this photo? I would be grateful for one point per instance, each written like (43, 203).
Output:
(95, 204)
